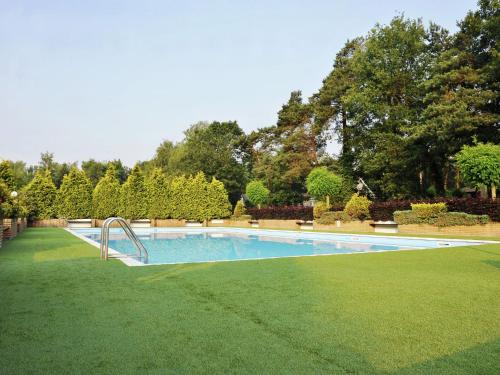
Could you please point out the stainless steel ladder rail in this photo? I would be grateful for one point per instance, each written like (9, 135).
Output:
(142, 252)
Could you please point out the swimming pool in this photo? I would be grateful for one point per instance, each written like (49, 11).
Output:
(194, 245)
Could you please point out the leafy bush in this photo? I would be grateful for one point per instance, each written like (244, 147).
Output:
(159, 195)
(358, 207)
(282, 213)
(39, 196)
(319, 208)
(106, 195)
(448, 219)
(239, 209)
(331, 217)
(428, 210)
(257, 193)
(133, 196)
(323, 184)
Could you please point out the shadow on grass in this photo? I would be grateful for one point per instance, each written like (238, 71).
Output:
(481, 359)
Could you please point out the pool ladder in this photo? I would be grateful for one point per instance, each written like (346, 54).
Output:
(142, 253)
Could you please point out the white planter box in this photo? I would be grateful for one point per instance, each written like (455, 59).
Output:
(193, 224)
(216, 221)
(80, 223)
(385, 226)
(140, 223)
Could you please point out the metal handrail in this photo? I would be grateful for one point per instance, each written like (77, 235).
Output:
(142, 252)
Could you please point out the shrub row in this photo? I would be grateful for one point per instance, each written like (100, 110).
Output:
(282, 213)
(330, 217)
(443, 219)
(476, 206)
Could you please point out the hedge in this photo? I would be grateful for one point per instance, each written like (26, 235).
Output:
(443, 219)
(331, 217)
(106, 195)
(282, 213)
(475, 206)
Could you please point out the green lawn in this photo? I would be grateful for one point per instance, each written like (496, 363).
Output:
(62, 310)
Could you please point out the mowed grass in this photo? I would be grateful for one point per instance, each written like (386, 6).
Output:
(62, 310)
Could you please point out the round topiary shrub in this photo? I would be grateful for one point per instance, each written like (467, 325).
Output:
(257, 193)
(358, 207)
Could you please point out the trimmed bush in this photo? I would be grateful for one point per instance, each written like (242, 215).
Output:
(282, 213)
(106, 195)
(428, 210)
(319, 208)
(406, 217)
(449, 219)
(74, 198)
(7, 174)
(159, 195)
(133, 196)
(323, 184)
(358, 207)
(39, 196)
(443, 219)
(257, 193)
(476, 206)
(217, 198)
(331, 217)
(480, 165)
(239, 209)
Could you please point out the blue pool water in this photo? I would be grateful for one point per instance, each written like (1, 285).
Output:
(185, 245)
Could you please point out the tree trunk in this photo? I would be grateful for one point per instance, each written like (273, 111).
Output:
(493, 192)
(328, 201)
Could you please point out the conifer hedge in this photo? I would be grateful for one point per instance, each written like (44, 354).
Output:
(133, 196)
(39, 196)
(159, 195)
(106, 195)
(74, 198)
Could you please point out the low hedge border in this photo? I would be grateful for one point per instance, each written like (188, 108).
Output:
(443, 219)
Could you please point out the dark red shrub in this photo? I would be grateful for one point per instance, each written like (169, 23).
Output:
(282, 213)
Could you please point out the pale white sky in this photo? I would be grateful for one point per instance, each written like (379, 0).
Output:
(113, 79)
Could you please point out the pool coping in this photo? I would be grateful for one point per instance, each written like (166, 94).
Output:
(132, 262)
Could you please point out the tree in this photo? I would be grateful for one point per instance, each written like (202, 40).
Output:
(133, 196)
(106, 195)
(284, 154)
(323, 184)
(217, 150)
(7, 174)
(218, 202)
(39, 196)
(159, 195)
(95, 170)
(480, 165)
(74, 198)
(257, 193)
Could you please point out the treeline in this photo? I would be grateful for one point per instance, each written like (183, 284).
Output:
(401, 100)
(155, 196)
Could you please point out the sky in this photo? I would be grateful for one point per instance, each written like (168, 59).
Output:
(113, 79)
